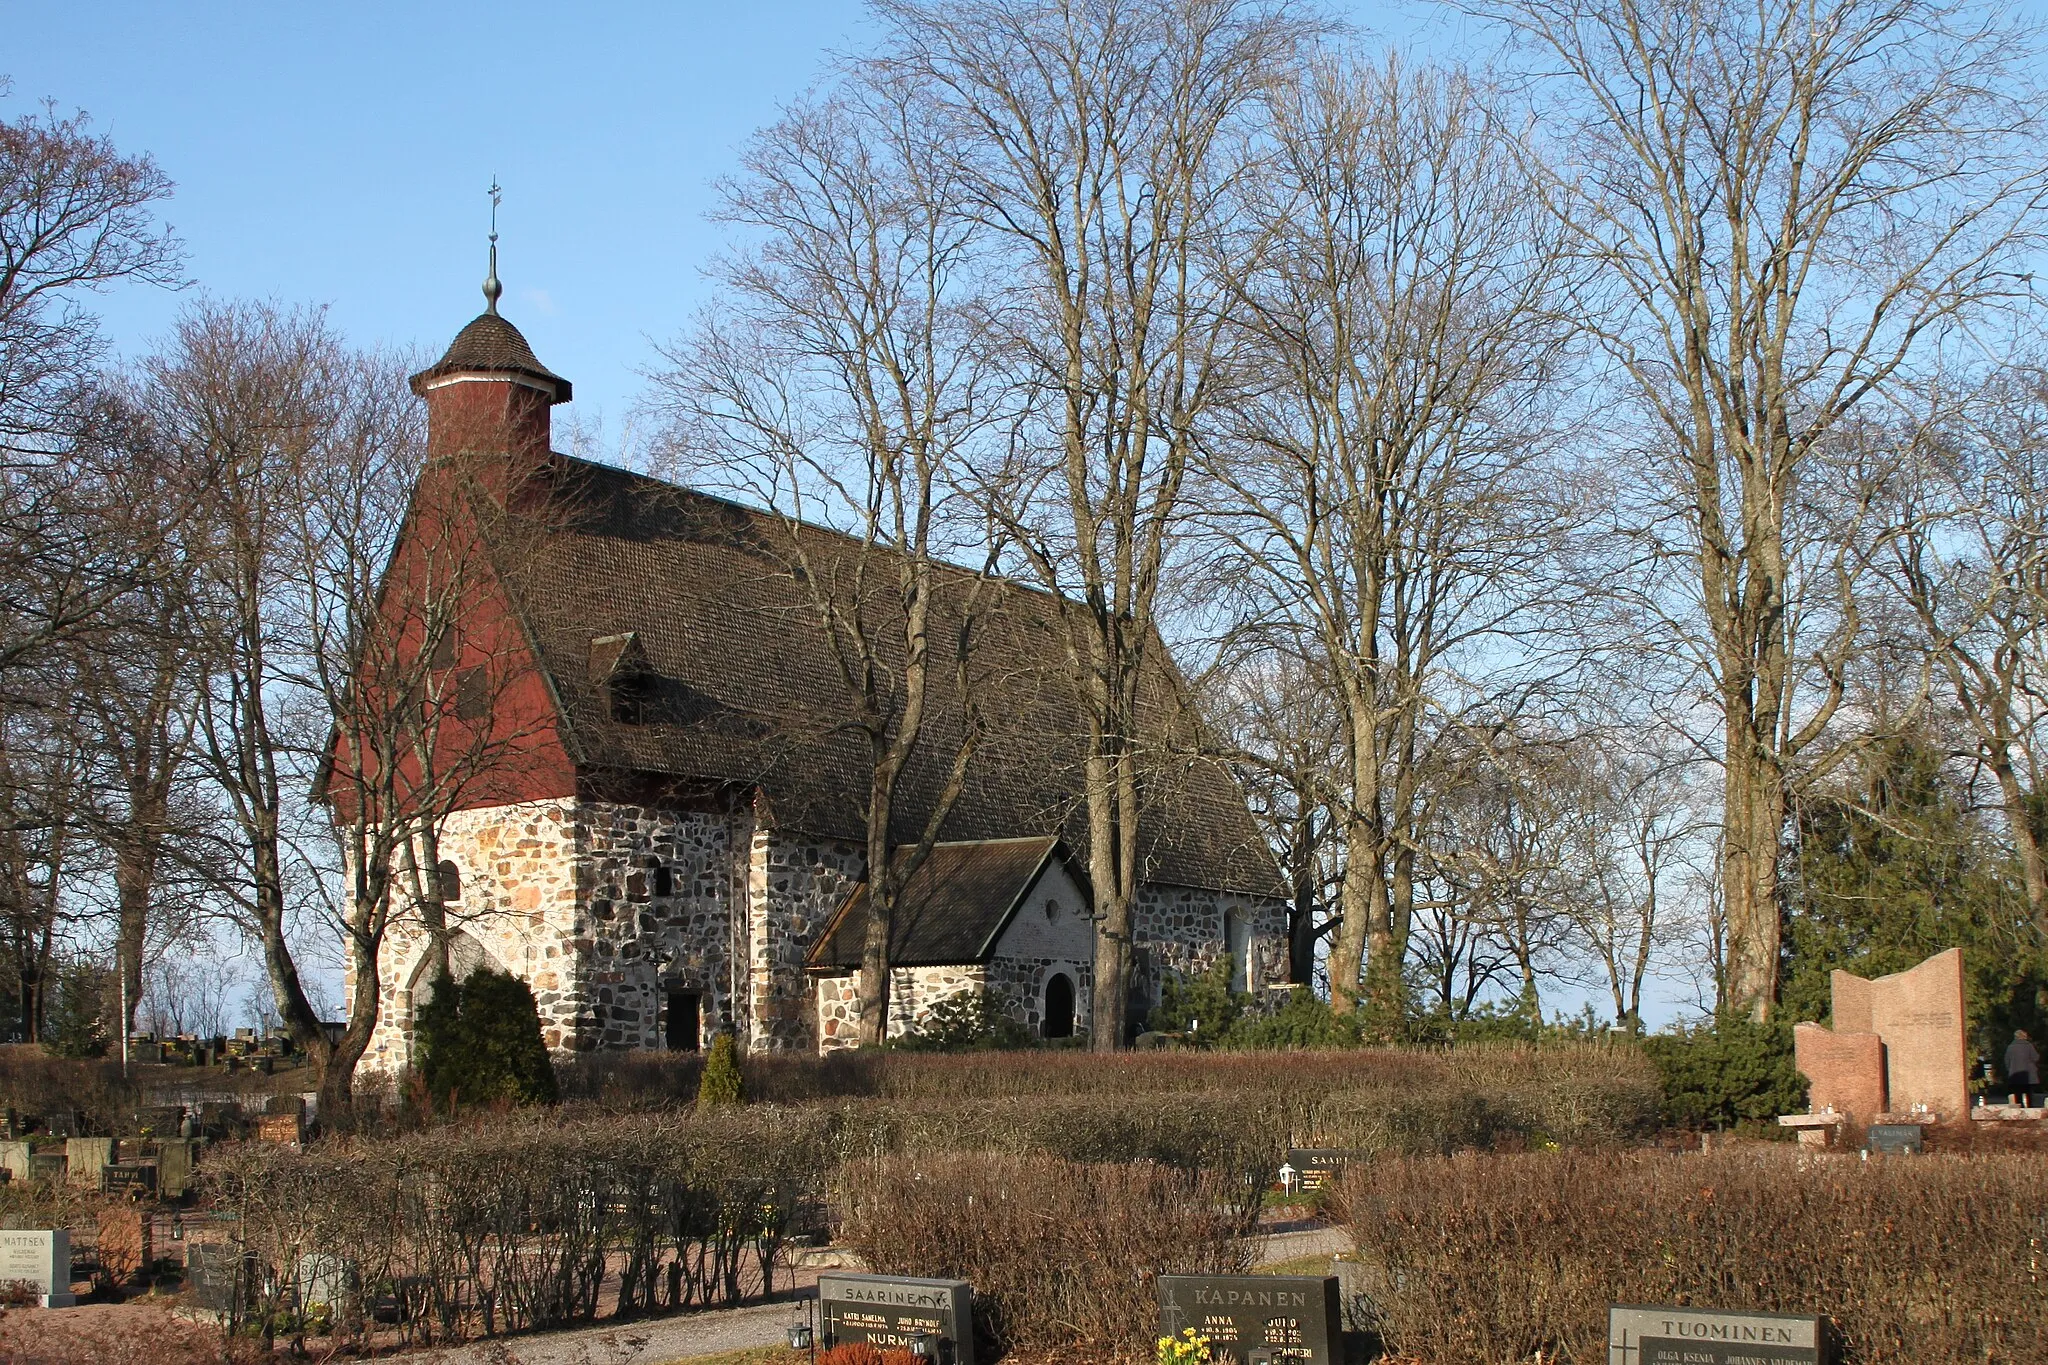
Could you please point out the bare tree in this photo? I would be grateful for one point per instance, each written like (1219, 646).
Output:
(1389, 481)
(237, 402)
(1093, 139)
(1962, 541)
(847, 382)
(1788, 203)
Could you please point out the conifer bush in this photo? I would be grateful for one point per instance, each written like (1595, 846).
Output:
(722, 1082)
(480, 1042)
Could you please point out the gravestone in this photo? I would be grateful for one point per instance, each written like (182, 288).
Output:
(142, 1054)
(278, 1128)
(88, 1156)
(125, 1252)
(42, 1259)
(1316, 1167)
(173, 1168)
(136, 1179)
(1894, 1139)
(218, 1278)
(1844, 1071)
(892, 1311)
(1919, 1014)
(48, 1166)
(327, 1282)
(1897, 1045)
(64, 1123)
(1272, 1317)
(14, 1158)
(1689, 1336)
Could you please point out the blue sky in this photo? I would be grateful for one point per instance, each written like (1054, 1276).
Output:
(339, 155)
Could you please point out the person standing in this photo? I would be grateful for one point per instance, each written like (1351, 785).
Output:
(2022, 1062)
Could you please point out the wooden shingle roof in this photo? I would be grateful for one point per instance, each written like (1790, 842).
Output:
(738, 687)
(950, 913)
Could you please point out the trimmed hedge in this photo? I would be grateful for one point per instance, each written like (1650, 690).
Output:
(1492, 1260)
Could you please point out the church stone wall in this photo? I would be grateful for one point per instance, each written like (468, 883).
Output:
(912, 993)
(1182, 930)
(519, 901)
(795, 884)
(637, 943)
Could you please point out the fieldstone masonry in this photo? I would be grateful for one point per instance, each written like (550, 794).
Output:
(604, 908)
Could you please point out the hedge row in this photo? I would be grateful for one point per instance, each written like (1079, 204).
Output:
(1493, 1260)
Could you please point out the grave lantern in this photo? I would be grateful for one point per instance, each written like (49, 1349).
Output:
(1287, 1175)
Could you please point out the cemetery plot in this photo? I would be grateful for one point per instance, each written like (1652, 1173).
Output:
(1255, 1317)
(1688, 1336)
(893, 1312)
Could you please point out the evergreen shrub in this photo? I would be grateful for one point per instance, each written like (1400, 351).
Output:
(722, 1082)
(480, 1042)
(1731, 1072)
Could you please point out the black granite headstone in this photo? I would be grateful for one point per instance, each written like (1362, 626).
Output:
(1268, 1317)
(1316, 1167)
(1894, 1139)
(48, 1166)
(893, 1311)
(1693, 1336)
(218, 1278)
(129, 1178)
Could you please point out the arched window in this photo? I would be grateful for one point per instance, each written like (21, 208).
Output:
(1059, 1007)
(450, 879)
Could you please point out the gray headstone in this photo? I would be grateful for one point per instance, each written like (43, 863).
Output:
(48, 1166)
(1273, 1317)
(173, 1168)
(42, 1259)
(892, 1311)
(1691, 1336)
(217, 1277)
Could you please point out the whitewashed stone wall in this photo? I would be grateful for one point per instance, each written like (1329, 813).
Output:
(794, 886)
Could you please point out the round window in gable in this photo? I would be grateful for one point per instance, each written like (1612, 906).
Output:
(1052, 912)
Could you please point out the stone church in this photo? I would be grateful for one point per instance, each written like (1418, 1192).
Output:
(679, 848)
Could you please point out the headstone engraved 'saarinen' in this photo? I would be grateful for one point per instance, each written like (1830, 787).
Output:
(894, 1310)
(1691, 1336)
(1276, 1317)
(42, 1259)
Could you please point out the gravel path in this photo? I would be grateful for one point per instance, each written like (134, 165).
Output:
(660, 1340)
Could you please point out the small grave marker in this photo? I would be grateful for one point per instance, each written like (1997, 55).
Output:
(893, 1311)
(132, 1178)
(1273, 1317)
(1316, 1167)
(1894, 1139)
(1691, 1336)
(48, 1166)
(42, 1259)
(218, 1278)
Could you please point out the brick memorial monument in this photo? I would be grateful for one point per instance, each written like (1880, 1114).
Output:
(1262, 1317)
(893, 1311)
(1897, 1050)
(1693, 1336)
(42, 1259)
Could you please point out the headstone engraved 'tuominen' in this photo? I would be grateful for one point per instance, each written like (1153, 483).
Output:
(892, 1311)
(1276, 1317)
(42, 1259)
(1691, 1336)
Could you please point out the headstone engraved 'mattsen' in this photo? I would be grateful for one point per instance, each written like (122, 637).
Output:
(1271, 1317)
(893, 1311)
(1690, 1336)
(42, 1259)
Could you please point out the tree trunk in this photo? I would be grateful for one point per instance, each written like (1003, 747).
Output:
(1754, 819)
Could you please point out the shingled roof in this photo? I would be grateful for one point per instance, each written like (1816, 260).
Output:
(736, 686)
(491, 345)
(951, 912)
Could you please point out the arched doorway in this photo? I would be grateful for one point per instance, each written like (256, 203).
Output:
(465, 955)
(1059, 1007)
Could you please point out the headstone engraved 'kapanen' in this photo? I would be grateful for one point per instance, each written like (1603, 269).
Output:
(1277, 1317)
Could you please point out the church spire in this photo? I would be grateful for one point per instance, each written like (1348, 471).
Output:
(493, 289)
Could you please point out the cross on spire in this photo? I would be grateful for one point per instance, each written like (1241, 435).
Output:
(492, 289)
